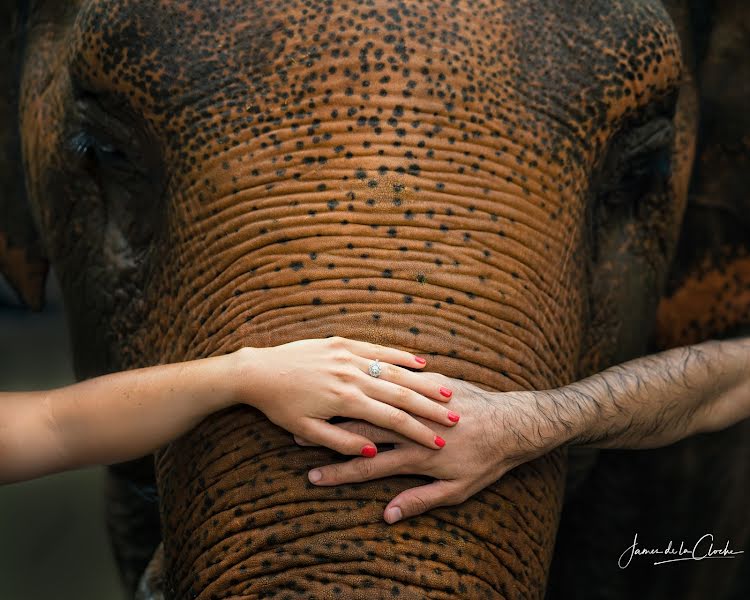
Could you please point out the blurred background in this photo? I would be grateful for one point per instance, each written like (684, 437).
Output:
(53, 542)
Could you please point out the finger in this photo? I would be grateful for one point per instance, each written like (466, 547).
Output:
(321, 433)
(418, 500)
(357, 470)
(364, 429)
(416, 382)
(408, 400)
(383, 353)
(395, 419)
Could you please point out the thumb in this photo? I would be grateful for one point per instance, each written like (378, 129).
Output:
(415, 501)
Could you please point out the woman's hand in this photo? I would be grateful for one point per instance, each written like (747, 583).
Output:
(648, 402)
(302, 384)
(498, 432)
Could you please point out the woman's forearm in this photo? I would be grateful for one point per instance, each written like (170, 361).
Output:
(299, 386)
(108, 419)
(660, 399)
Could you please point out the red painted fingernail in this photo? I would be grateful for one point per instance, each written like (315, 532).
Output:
(439, 442)
(446, 392)
(420, 360)
(453, 416)
(369, 451)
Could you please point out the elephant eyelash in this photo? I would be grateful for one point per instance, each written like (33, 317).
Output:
(88, 148)
(640, 159)
(81, 144)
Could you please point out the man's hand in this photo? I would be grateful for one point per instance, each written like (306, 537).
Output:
(646, 403)
(497, 433)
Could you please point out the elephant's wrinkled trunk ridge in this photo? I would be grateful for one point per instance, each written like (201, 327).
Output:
(251, 504)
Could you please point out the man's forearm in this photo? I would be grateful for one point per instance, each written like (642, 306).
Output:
(660, 399)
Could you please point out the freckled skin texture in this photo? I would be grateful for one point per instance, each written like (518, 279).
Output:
(498, 186)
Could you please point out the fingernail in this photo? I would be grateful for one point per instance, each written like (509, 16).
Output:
(420, 360)
(315, 476)
(393, 514)
(453, 416)
(439, 442)
(446, 392)
(369, 451)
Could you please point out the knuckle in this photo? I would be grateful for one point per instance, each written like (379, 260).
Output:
(396, 374)
(419, 504)
(348, 373)
(347, 395)
(364, 468)
(342, 355)
(402, 395)
(338, 371)
(397, 418)
(343, 369)
(361, 428)
(331, 473)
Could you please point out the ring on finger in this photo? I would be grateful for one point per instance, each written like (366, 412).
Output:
(374, 368)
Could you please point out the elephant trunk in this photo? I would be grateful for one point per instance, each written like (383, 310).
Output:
(239, 516)
(383, 210)
(241, 520)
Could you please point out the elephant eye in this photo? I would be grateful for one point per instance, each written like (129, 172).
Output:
(94, 153)
(118, 166)
(109, 139)
(119, 178)
(639, 162)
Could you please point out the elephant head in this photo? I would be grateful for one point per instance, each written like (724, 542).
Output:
(496, 185)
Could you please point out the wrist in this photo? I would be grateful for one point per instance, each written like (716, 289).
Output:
(540, 419)
(243, 372)
(220, 380)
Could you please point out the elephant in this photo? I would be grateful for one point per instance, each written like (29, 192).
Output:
(525, 192)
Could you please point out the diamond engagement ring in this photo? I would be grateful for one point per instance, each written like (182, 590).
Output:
(375, 369)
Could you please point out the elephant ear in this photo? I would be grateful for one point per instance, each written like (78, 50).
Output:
(22, 261)
(709, 290)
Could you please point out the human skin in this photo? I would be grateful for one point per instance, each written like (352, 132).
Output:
(498, 186)
(298, 386)
(649, 402)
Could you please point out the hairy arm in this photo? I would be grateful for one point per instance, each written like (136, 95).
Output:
(657, 400)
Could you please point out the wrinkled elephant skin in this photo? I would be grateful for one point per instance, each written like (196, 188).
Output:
(497, 185)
